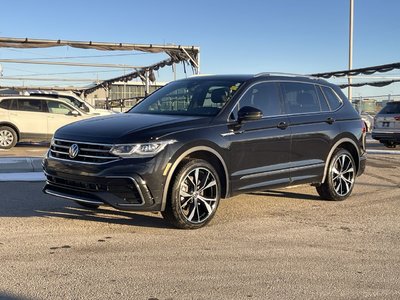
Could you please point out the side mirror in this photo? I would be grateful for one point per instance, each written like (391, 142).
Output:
(248, 113)
(75, 113)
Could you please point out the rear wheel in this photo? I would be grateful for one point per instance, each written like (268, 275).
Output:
(194, 196)
(8, 137)
(339, 180)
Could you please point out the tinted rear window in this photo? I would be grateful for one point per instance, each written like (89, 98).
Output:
(333, 99)
(391, 108)
(300, 97)
(33, 105)
(5, 103)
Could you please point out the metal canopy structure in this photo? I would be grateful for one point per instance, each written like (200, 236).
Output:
(176, 53)
(366, 71)
(354, 72)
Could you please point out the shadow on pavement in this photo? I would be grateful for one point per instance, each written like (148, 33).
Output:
(26, 199)
(7, 296)
(286, 194)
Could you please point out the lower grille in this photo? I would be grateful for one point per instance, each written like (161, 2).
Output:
(125, 189)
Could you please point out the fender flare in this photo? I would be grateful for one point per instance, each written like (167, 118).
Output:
(179, 160)
(334, 147)
(13, 126)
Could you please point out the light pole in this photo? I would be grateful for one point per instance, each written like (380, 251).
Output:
(350, 46)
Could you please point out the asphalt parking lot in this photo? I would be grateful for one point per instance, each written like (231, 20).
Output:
(280, 244)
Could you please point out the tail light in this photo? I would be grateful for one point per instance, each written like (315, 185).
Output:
(397, 118)
(364, 127)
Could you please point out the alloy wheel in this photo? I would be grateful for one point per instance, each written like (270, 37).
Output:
(198, 195)
(6, 138)
(343, 175)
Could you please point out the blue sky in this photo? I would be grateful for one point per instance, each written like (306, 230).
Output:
(234, 36)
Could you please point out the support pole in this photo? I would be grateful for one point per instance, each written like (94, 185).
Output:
(147, 81)
(350, 47)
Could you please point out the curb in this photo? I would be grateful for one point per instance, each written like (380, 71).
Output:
(21, 169)
(383, 152)
(20, 164)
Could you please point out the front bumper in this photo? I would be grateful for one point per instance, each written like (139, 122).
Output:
(126, 184)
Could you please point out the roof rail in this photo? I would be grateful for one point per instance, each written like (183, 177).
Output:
(284, 74)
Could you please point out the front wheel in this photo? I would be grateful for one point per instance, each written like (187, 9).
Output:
(87, 204)
(194, 196)
(339, 180)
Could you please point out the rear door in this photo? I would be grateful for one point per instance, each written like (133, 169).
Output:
(30, 117)
(313, 126)
(260, 149)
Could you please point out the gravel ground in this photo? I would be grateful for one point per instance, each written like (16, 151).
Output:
(280, 244)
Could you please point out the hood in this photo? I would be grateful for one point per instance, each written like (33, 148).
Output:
(127, 127)
(102, 112)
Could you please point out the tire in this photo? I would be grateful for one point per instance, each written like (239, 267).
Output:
(87, 205)
(194, 196)
(8, 137)
(390, 145)
(339, 180)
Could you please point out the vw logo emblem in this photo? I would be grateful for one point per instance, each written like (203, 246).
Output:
(73, 151)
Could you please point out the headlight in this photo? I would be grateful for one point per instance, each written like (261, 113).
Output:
(140, 150)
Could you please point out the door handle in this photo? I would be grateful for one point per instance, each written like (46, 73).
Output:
(330, 120)
(282, 125)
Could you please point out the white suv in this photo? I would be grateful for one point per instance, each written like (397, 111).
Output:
(34, 119)
(387, 125)
(72, 99)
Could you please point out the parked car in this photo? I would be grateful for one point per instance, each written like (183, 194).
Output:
(33, 118)
(73, 100)
(387, 125)
(197, 140)
(368, 120)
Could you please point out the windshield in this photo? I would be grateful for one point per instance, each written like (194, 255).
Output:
(391, 108)
(76, 103)
(196, 97)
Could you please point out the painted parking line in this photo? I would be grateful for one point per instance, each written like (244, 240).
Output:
(383, 152)
(26, 176)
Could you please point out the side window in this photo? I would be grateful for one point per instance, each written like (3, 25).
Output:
(263, 96)
(333, 99)
(55, 107)
(322, 100)
(32, 105)
(14, 104)
(5, 104)
(300, 97)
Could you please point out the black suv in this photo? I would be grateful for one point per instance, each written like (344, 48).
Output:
(200, 139)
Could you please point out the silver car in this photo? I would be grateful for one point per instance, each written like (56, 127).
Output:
(387, 125)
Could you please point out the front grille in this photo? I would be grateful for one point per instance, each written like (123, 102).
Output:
(125, 189)
(88, 152)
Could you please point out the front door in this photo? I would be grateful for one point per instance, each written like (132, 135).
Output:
(59, 115)
(260, 149)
